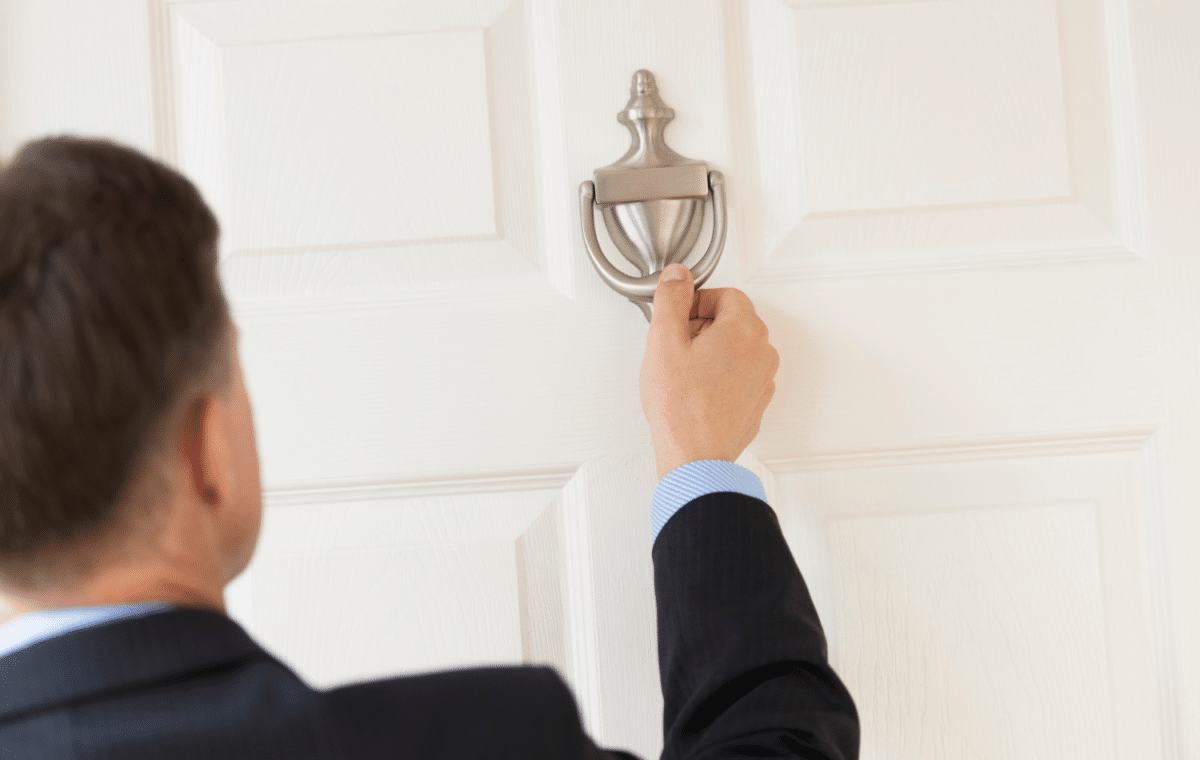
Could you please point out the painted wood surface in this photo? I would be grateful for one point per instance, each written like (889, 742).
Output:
(970, 227)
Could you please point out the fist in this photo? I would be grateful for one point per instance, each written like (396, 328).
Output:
(708, 373)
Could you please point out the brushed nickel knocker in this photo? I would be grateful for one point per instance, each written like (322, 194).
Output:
(652, 201)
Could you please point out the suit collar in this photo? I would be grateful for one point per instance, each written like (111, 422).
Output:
(40, 625)
(117, 655)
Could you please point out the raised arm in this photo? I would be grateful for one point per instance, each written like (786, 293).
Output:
(742, 655)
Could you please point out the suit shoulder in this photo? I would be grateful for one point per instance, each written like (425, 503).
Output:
(517, 711)
(535, 682)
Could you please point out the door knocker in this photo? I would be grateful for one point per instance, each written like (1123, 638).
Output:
(652, 201)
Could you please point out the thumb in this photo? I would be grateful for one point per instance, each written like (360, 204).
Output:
(673, 303)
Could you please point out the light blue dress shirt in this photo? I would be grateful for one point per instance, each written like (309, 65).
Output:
(38, 626)
(696, 479)
(680, 486)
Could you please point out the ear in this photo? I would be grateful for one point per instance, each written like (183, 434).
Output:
(205, 446)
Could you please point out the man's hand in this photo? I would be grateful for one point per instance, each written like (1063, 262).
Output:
(708, 373)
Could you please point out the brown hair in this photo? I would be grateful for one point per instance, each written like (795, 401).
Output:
(111, 310)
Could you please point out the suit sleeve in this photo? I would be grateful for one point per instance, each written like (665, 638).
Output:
(742, 655)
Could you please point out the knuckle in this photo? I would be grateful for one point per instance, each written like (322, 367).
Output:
(757, 329)
(752, 327)
(739, 300)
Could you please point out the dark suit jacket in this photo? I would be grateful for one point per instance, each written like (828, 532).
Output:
(741, 653)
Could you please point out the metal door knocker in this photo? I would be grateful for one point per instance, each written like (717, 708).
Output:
(652, 201)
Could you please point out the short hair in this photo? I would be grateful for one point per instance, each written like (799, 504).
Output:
(111, 310)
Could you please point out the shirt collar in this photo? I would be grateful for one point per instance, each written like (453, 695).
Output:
(44, 624)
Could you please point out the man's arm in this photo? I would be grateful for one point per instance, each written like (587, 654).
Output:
(742, 654)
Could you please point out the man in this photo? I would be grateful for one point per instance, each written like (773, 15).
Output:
(130, 496)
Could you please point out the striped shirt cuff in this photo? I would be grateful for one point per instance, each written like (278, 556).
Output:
(695, 479)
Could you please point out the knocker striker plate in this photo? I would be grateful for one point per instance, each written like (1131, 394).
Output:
(652, 202)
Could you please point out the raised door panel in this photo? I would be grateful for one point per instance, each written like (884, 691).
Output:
(357, 151)
(356, 583)
(994, 600)
(893, 137)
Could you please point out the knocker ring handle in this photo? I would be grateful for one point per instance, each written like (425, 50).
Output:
(643, 288)
(652, 201)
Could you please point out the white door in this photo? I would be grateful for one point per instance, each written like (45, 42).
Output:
(970, 226)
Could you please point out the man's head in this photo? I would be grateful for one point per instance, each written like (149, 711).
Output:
(121, 396)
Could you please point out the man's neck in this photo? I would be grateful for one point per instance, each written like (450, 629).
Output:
(176, 559)
(129, 584)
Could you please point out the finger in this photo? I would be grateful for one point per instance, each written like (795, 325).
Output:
(714, 301)
(672, 299)
(698, 325)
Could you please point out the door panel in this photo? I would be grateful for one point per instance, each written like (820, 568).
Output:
(891, 137)
(357, 148)
(943, 211)
(1008, 591)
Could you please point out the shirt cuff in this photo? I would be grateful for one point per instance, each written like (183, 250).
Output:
(695, 479)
